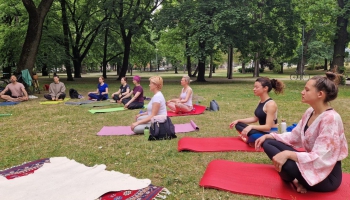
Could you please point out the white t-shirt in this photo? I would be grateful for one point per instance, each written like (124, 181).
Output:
(157, 98)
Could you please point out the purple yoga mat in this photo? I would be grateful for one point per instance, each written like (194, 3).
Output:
(126, 130)
(188, 127)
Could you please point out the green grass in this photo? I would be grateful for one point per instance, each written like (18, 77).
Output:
(37, 131)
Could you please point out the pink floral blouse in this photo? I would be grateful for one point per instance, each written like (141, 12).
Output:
(324, 143)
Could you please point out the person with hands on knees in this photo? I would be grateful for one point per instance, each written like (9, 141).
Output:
(17, 92)
(265, 113)
(155, 107)
(320, 132)
(124, 89)
(182, 104)
(137, 101)
(57, 90)
(101, 92)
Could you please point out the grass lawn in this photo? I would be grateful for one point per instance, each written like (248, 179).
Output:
(37, 131)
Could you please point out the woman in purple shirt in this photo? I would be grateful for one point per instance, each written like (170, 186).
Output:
(137, 101)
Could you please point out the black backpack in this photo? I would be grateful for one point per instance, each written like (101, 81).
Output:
(162, 131)
(73, 94)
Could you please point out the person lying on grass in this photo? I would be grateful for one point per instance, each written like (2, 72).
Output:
(155, 107)
(265, 113)
(102, 91)
(320, 132)
(183, 104)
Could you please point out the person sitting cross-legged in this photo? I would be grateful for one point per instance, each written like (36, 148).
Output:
(320, 132)
(57, 90)
(183, 104)
(102, 91)
(16, 90)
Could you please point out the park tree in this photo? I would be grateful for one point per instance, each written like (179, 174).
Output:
(131, 17)
(341, 35)
(34, 32)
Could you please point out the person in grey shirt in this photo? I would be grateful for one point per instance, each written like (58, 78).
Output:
(57, 90)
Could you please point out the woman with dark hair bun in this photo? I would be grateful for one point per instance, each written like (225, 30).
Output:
(265, 113)
(320, 132)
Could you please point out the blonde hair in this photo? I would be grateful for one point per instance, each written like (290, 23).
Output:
(158, 81)
(187, 79)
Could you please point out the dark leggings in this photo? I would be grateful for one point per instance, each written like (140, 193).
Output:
(48, 97)
(240, 126)
(290, 170)
(134, 105)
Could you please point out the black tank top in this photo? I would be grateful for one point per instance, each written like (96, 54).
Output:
(260, 114)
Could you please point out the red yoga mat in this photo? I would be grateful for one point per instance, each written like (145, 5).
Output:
(198, 109)
(216, 144)
(262, 180)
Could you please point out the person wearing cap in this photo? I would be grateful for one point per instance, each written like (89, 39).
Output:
(137, 101)
(102, 91)
(183, 104)
(155, 107)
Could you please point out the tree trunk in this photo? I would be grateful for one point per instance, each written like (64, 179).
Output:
(325, 68)
(256, 65)
(341, 36)
(188, 61)
(229, 64)
(76, 63)
(127, 43)
(211, 66)
(44, 71)
(65, 26)
(33, 36)
(201, 62)
(104, 62)
(281, 72)
(243, 67)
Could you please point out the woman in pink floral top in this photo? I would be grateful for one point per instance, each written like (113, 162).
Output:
(320, 132)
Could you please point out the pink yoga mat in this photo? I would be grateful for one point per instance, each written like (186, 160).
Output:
(126, 130)
(216, 144)
(262, 180)
(213, 144)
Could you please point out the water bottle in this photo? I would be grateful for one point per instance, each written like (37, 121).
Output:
(146, 132)
(283, 126)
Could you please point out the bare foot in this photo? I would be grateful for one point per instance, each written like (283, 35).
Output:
(243, 138)
(300, 188)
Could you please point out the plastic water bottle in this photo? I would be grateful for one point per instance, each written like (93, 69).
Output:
(146, 132)
(283, 126)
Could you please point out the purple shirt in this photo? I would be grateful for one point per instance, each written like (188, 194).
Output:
(138, 89)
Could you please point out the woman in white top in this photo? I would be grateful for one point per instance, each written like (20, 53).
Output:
(155, 107)
(182, 104)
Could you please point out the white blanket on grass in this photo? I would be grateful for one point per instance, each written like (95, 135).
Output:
(67, 179)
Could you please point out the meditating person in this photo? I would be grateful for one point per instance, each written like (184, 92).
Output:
(183, 104)
(155, 107)
(57, 90)
(265, 113)
(137, 101)
(102, 91)
(124, 89)
(320, 132)
(14, 91)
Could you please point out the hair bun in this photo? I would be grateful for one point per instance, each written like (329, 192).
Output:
(273, 83)
(331, 76)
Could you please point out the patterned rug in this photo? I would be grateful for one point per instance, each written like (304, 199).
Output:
(147, 193)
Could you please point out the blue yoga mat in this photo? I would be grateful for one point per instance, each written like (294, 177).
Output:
(8, 103)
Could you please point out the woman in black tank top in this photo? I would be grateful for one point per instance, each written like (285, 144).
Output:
(265, 113)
